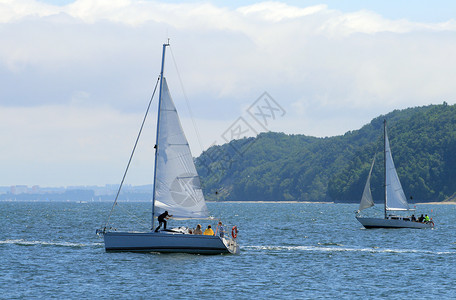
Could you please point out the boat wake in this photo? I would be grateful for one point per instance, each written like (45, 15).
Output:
(341, 248)
(21, 242)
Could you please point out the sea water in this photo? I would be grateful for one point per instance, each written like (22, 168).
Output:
(288, 251)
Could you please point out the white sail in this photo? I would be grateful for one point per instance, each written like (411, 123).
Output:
(177, 185)
(367, 200)
(395, 197)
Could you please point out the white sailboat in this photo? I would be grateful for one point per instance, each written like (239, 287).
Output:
(176, 189)
(394, 200)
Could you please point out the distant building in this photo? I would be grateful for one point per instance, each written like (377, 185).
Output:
(19, 189)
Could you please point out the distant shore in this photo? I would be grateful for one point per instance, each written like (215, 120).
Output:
(250, 201)
(208, 201)
(323, 202)
(438, 203)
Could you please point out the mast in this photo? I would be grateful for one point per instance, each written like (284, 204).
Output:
(384, 158)
(158, 128)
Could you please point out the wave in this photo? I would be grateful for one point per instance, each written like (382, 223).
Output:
(340, 248)
(329, 244)
(22, 242)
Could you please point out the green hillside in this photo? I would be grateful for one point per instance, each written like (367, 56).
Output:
(276, 166)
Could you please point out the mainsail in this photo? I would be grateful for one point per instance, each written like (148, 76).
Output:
(367, 200)
(177, 184)
(395, 197)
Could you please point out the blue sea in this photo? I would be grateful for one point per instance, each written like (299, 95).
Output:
(288, 251)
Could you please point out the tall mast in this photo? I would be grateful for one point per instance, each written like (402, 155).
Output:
(384, 158)
(158, 128)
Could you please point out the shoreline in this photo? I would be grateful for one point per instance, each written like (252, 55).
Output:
(438, 203)
(208, 201)
(323, 202)
(251, 201)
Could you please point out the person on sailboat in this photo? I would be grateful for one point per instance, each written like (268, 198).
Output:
(198, 229)
(208, 230)
(220, 229)
(426, 218)
(421, 218)
(162, 220)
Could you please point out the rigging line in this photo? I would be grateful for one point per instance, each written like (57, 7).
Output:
(132, 152)
(187, 102)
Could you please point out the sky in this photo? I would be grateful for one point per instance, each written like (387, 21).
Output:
(76, 76)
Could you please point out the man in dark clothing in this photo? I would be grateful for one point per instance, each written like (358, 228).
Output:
(162, 219)
(421, 219)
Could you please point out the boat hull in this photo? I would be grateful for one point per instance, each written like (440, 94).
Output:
(168, 242)
(392, 223)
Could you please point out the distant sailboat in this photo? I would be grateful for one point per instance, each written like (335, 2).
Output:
(394, 200)
(176, 189)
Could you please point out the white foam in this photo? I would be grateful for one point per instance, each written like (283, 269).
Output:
(345, 249)
(45, 243)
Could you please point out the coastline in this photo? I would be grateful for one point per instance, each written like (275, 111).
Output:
(324, 202)
(250, 201)
(437, 203)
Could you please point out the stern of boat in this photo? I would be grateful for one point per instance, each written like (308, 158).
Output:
(232, 245)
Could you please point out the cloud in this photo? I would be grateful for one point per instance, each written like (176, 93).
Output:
(276, 11)
(81, 72)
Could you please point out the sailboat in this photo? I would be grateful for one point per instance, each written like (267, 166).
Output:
(176, 189)
(394, 200)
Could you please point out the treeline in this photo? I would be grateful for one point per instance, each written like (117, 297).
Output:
(276, 166)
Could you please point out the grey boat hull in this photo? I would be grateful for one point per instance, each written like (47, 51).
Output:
(392, 223)
(168, 242)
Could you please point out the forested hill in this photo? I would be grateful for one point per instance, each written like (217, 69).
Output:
(276, 166)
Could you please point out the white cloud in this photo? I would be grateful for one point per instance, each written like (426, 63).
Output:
(79, 73)
(15, 10)
(277, 11)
